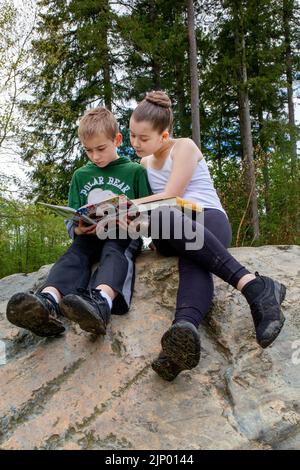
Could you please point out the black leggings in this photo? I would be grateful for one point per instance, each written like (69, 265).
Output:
(195, 291)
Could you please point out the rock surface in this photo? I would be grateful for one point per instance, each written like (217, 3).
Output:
(82, 392)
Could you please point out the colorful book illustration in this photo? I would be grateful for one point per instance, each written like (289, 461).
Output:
(112, 207)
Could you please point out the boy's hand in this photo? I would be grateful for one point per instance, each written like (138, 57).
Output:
(152, 246)
(83, 229)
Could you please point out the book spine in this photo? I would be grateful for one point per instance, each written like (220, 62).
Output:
(194, 206)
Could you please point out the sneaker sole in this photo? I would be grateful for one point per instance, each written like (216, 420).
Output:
(166, 368)
(27, 311)
(182, 348)
(282, 293)
(268, 341)
(79, 314)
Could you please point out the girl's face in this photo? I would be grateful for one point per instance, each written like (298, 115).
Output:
(144, 139)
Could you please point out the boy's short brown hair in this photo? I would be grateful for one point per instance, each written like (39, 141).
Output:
(98, 120)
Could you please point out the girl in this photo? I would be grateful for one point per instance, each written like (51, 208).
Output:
(176, 167)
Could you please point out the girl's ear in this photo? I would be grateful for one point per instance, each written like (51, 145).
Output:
(118, 139)
(165, 135)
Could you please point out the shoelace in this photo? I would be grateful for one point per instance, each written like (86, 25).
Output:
(50, 303)
(84, 293)
(259, 309)
(93, 295)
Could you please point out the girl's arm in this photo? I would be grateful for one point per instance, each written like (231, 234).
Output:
(185, 158)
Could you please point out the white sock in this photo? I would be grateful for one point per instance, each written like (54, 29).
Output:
(107, 297)
(55, 297)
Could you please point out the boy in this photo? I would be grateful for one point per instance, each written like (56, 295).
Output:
(65, 292)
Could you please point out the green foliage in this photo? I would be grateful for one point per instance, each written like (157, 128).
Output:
(8, 65)
(29, 237)
(87, 53)
(72, 69)
(156, 55)
(277, 181)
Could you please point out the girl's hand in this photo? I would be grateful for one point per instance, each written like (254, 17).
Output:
(83, 229)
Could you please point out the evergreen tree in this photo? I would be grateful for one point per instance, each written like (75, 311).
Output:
(237, 12)
(87, 53)
(156, 54)
(265, 82)
(74, 62)
(290, 26)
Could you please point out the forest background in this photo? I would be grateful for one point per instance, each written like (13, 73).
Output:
(240, 58)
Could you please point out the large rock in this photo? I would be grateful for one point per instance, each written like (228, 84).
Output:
(82, 392)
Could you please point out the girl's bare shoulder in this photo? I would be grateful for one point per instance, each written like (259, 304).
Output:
(186, 144)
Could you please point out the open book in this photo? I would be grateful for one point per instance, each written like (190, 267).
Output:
(112, 207)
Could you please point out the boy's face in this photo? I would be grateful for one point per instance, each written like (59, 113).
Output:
(101, 150)
(144, 139)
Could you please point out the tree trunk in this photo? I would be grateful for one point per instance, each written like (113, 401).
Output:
(156, 73)
(106, 60)
(219, 142)
(245, 121)
(288, 7)
(194, 74)
(155, 65)
(265, 167)
(107, 86)
(183, 118)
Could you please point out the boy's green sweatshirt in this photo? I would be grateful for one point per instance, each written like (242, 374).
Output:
(121, 176)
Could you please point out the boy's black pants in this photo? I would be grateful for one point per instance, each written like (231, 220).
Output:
(116, 268)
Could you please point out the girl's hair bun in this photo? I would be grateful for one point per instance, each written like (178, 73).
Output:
(160, 98)
(156, 109)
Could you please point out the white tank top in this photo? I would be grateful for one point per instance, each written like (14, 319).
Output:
(200, 188)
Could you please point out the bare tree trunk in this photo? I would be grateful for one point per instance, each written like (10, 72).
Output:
(106, 60)
(156, 73)
(219, 142)
(265, 166)
(107, 86)
(245, 121)
(183, 117)
(288, 6)
(194, 74)
(155, 65)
